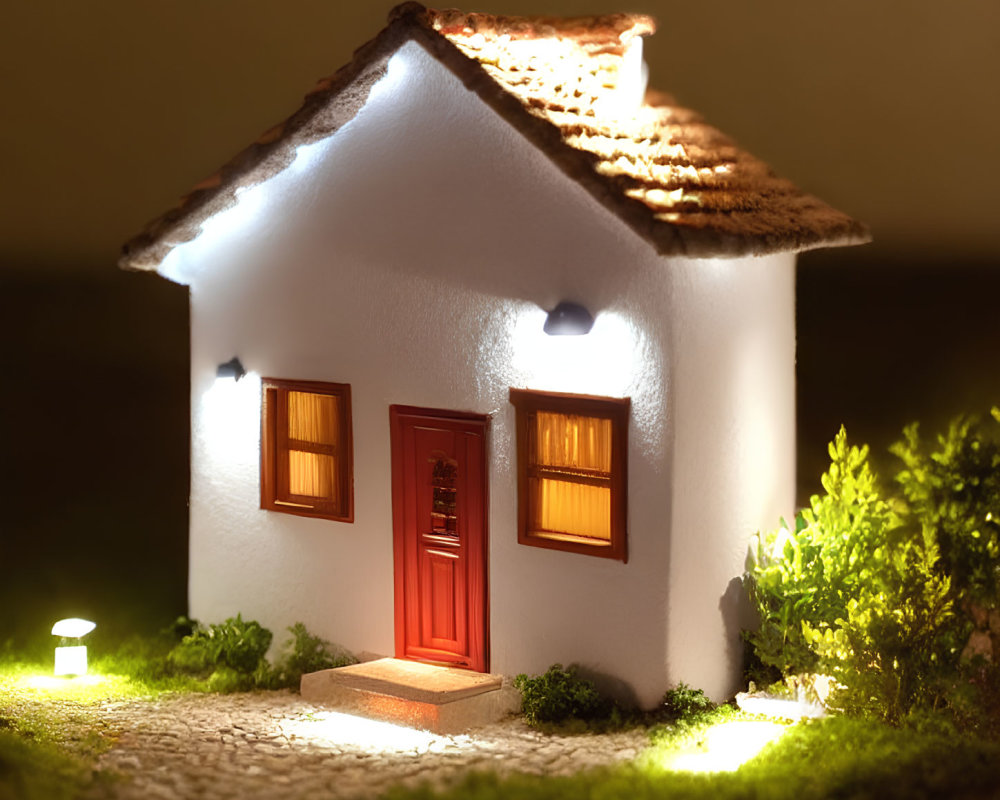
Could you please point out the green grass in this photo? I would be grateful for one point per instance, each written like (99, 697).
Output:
(844, 757)
(32, 770)
(51, 729)
(837, 757)
(51, 733)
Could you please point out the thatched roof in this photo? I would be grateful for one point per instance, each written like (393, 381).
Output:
(676, 181)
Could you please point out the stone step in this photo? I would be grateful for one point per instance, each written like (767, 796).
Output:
(426, 696)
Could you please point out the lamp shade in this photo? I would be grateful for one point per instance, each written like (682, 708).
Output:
(231, 369)
(568, 319)
(73, 627)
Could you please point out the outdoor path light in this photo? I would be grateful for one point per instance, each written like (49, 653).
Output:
(72, 659)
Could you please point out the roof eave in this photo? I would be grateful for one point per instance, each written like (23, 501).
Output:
(317, 118)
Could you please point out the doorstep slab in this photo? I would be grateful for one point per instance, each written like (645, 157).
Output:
(426, 696)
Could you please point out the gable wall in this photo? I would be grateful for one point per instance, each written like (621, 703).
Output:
(411, 256)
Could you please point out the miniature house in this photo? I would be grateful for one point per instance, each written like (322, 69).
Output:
(412, 465)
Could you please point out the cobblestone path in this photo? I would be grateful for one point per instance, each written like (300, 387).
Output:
(275, 746)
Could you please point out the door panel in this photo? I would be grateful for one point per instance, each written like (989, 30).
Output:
(439, 536)
(442, 624)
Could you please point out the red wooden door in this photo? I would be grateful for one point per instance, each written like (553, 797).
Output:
(440, 536)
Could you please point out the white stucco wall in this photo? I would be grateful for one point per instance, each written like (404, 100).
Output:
(733, 435)
(411, 255)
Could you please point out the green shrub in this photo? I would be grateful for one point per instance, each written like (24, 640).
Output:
(891, 652)
(684, 703)
(880, 589)
(230, 656)
(304, 653)
(807, 576)
(560, 696)
(226, 680)
(235, 645)
(953, 489)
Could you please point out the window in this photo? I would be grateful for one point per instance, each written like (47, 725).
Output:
(306, 453)
(572, 455)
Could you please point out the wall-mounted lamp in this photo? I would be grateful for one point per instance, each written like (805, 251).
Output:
(231, 369)
(72, 659)
(568, 319)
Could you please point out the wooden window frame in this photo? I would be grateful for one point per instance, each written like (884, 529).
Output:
(526, 404)
(274, 409)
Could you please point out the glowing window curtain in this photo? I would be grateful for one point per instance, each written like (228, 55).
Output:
(313, 423)
(573, 441)
(572, 480)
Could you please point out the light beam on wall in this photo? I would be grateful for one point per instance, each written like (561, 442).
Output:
(230, 421)
(254, 204)
(610, 361)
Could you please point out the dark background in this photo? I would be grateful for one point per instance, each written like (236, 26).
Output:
(114, 109)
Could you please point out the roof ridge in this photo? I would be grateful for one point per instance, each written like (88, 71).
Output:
(596, 29)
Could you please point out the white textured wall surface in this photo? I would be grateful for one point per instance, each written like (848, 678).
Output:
(733, 443)
(411, 256)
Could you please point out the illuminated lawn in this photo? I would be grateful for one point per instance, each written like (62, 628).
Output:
(835, 757)
(51, 735)
(51, 730)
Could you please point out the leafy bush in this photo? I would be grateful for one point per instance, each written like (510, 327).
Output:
(881, 590)
(684, 703)
(230, 656)
(231, 653)
(559, 696)
(305, 653)
(953, 489)
(891, 651)
(806, 576)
